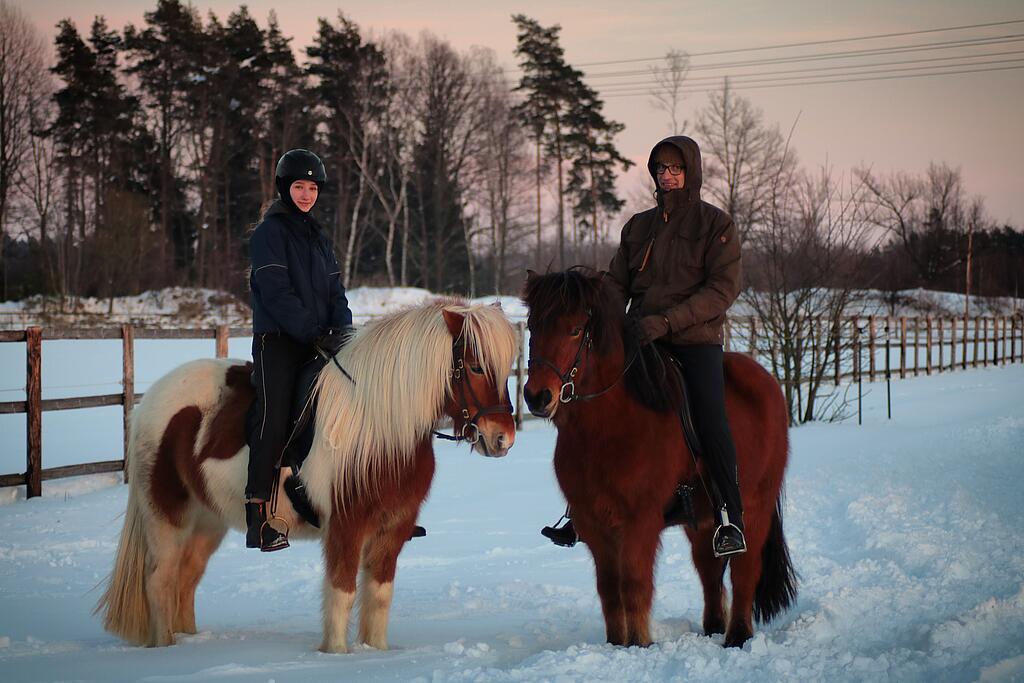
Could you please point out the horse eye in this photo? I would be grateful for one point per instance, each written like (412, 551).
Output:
(576, 331)
(477, 370)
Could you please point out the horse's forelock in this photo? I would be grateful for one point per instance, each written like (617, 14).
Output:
(579, 290)
(492, 338)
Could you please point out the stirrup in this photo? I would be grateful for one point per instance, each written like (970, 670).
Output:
(728, 538)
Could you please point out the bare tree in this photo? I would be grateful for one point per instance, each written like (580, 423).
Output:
(925, 214)
(667, 95)
(23, 83)
(801, 265)
(502, 167)
(743, 157)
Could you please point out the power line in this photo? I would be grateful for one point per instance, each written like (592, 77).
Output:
(812, 42)
(642, 92)
(847, 70)
(868, 52)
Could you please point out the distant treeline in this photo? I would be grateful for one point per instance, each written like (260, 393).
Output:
(141, 158)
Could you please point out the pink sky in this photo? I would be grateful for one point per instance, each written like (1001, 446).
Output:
(972, 121)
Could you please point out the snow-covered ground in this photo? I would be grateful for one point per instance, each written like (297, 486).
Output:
(906, 534)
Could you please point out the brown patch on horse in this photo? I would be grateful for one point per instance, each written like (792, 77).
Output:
(167, 489)
(383, 521)
(238, 376)
(225, 435)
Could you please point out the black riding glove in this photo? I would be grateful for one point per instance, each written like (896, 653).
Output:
(330, 343)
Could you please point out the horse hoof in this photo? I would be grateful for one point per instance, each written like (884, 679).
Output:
(736, 641)
(333, 648)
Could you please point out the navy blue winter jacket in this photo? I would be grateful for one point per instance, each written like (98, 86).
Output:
(295, 279)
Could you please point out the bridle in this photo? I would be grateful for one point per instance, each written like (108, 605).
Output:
(567, 393)
(470, 432)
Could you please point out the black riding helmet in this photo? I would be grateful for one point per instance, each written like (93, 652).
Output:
(298, 164)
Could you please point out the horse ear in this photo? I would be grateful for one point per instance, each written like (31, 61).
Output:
(454, 322)
(530, 276)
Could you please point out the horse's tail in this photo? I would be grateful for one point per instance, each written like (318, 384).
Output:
(124, 604)
(776, 589)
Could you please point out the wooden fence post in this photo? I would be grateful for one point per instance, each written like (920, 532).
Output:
(1002, 346)
(520, 366)
(34, 411)
(917, 330)
(977, 327)
(128, 382)
(963, 358)
(222, 341)
(928, 349)
(871, 348)
(942, 354)
(984, 341)
(855, 321)
(952, 343)
(1013, 339)
(753, 337)
(903, 347)
(839, 348)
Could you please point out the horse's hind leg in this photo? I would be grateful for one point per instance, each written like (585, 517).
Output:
(710, 570)
(166, 544)
(204, 541)
(745, 573)
(380, 558)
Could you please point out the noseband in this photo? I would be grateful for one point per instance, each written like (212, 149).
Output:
(567, 393)
(470, 432)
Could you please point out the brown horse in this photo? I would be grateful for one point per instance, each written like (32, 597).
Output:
(621, 452)
(367, 474)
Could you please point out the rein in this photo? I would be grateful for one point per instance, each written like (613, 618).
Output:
(470, 432)
(567, 393)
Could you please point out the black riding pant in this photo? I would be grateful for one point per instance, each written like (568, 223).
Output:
(705, 386)
(281, 388)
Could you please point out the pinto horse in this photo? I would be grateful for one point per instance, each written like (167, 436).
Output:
(621, 452)
(367, 474)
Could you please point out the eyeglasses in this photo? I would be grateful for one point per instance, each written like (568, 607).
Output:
(673, 169)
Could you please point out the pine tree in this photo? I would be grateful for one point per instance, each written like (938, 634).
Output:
(163, 61)
(549, 85)
(591, 144)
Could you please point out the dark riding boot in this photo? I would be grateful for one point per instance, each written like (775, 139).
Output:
(728, 539)
(564, 535)
(259, 533)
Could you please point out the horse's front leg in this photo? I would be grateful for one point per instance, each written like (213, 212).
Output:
(604, 545)
(639, 547)
(343, 541)
(380, 559)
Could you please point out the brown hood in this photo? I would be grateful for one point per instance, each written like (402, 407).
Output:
(691, 159)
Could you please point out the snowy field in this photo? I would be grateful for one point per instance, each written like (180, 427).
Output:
(906, 535)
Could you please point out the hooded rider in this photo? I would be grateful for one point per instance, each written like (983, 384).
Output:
(679, 266)
(300, 316)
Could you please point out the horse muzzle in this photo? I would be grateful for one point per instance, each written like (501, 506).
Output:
(541, 403)
(494, 446)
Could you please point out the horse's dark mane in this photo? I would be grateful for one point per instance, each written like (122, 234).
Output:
(580, 290)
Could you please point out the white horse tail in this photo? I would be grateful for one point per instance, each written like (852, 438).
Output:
(124, 604)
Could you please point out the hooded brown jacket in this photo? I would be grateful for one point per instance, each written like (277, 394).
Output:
(680, 259)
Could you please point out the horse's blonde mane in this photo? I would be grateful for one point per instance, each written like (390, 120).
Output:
(401, 366)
